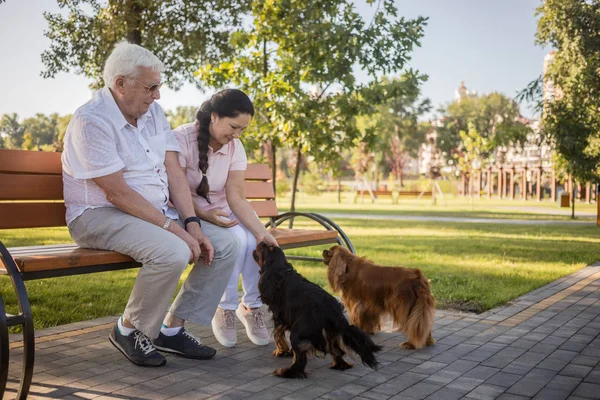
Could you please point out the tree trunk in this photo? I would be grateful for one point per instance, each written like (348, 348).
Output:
(134, 35)
(339, 189)
(573, 201)
(274, 166)
(295, 184)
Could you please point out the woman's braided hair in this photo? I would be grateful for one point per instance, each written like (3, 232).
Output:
(226, 103)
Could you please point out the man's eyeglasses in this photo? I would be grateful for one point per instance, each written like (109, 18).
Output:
(152, 88)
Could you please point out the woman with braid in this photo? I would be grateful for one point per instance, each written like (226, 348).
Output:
(215, 162)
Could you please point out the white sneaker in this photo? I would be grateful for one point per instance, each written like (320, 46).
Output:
(254, 322)
(223, 327)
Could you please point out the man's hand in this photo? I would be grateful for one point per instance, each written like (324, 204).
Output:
(192, 243)
(206, 249)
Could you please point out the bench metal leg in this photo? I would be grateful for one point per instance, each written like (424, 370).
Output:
(343, 239)
(25, 319)
(4, 349)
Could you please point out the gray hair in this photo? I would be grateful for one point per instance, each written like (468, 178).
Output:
(125, 60)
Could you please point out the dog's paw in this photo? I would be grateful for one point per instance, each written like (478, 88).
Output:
(430, 341)
(407, 346)
(279, 353)
(340, 365)
(289, 373)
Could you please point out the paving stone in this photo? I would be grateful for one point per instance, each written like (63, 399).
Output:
(509, 396)
(585, 360)
(564, 382)
(578, 371)
(590, 390)
(481, 372)
(593, 377)
(532, 383)
(374, 395)
(552, 394)
(517, 367)
(428, 367)
(485, 392)
(421, 390)
(466, 384)
(446, 394)
(503, 379)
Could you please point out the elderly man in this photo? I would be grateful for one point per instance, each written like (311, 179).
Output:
(120, 172)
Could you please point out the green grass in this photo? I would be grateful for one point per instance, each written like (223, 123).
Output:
(458, 207)
(472, 267)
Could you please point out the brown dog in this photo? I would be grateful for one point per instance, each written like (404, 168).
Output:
(370, 291)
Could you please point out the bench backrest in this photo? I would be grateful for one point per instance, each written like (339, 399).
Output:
(31, 190)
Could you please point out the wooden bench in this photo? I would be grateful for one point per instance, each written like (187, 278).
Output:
(31, 196)
(395, 195)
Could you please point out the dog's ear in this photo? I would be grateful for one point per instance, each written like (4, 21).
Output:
(337, 268)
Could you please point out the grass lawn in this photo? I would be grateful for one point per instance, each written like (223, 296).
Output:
(454, 207)
(472, 267)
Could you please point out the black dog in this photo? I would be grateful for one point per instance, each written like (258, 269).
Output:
(314, 317)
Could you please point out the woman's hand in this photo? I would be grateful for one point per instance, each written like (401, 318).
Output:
(267, 238)
(215, 217)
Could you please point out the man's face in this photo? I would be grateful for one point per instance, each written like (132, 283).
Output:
(136, 93)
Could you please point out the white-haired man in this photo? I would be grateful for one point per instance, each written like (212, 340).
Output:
(120, 173)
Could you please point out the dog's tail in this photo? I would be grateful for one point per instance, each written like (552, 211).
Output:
(420, 320)
(361, 344)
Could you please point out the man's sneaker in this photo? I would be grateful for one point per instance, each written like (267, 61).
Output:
(223, 327)
(254, 321)
(137, 347)
(184, 344)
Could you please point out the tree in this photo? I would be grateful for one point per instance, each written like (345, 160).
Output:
(41, 130)
(181, 115)
(399, 133)
(298, 61)
(472, 155)
(12, 131)
(182, 33)
(62, 123)
(495, 117)
(570, 115)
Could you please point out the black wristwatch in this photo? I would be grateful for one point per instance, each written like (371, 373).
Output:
(191, 219)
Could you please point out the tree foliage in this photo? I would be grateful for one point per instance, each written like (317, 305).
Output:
(570, 115)
(495, 117)
(182, 33)
(299, 61)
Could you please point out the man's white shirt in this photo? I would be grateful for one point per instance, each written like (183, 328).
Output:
(99, 141)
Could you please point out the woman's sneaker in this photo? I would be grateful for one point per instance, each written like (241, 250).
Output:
(184, 344)
(223, 327)
(137, 347)
(254, 322)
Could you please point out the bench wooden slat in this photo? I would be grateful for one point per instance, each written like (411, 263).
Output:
(258, 172)
(259, 190)
(64, 256)
(71, 257)
(292, 236)
(265, 209)
(31, 215)
(45, 215)
(31, 187)
(30, 162)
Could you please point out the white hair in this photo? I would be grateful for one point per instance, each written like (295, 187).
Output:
(125, 60)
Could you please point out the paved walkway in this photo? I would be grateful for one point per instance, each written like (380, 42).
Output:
(457, 219)
(545, 345)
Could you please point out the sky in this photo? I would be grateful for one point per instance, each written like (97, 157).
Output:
(489, 44)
